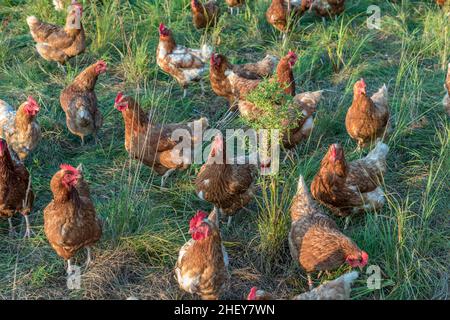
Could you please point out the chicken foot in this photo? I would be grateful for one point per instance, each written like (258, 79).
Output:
(28, 231)
(88, 258)
(70, 269)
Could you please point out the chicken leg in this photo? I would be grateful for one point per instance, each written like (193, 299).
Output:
(63, 69)
(217, 210)
(165, 176)
(70, 269)
(229, 222)
(12, 231)
(310, 282)
(28, 231)
(88, 258)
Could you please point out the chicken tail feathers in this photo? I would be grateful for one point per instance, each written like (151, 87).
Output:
(206, 52)
(380, 98)
(303, 203)
(32, 21)
(84, 116)
(309, 100)
(379, 152)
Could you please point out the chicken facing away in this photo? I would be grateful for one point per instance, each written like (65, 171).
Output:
(56, 43)
(232, 4)
(367, 118)
(202, 263)
(70, 219)
(227, 185)
(16, 194)
(20, 128)
(184, 64)
(446, 101)
(315, 241)
(221, 70)
(280, 13)
(204, 15)
(350, 188)
(155, 145)
(337, 289)
(79, 102)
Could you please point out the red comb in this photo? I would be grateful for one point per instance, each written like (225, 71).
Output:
(68, 167)
(102, 62)
(218, 138)
(362, 82)
(292, 54)
(333, 150)
(365, 258)
(119, 97)
(31, 100)
(199, 216)
(161, 27)
(252, 294)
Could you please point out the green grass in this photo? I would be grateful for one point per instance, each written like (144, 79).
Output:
(145, 225)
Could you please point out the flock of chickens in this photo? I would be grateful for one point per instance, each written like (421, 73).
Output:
(315, 241)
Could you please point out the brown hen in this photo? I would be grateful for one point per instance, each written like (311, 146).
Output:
(315, 241)
(16, 194)
(79, 102)
(70, 220)
(282, 13)
(204, 15)
(55, 43)
(202, 263)
(227, 185)
(367, 118)
(156, 145)
(350, 188)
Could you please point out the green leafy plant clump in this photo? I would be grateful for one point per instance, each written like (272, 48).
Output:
(276, 108)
